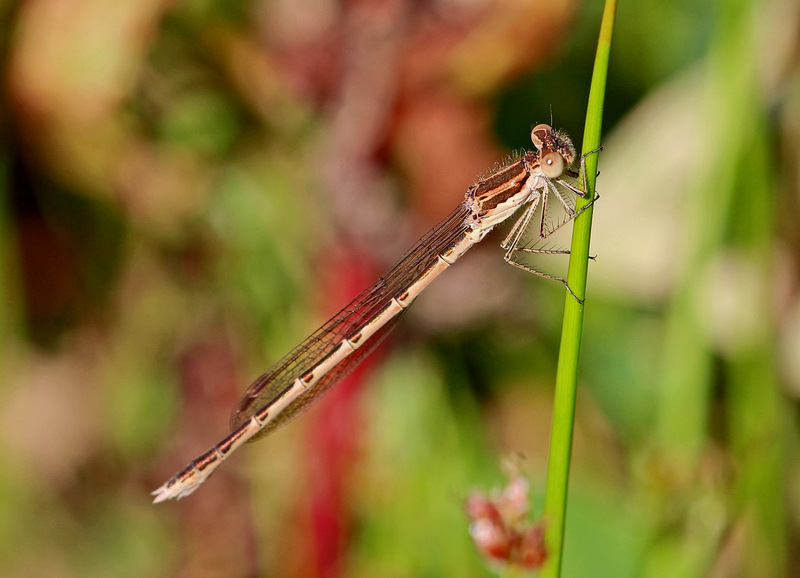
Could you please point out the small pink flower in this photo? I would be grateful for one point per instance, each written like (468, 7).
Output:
(500, 529)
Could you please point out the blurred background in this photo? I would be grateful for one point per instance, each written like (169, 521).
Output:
(190, 188)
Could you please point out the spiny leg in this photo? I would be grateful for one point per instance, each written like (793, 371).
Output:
(584, 157)
(544, 235)
(581, 174)
(569, 210)
(513, 237)
(513, 247)
(510, 261)
(580, 192)
(573, 213)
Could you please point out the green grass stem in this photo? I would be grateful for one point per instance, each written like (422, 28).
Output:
(555, 505)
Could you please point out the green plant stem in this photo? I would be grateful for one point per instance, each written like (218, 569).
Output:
(555, 505)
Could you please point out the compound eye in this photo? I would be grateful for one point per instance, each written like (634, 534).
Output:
(539, 134)
(552, 165)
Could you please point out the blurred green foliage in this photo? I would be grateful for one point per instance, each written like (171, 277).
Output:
(189, 189)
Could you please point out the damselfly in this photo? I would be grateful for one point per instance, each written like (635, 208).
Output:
(302, 377)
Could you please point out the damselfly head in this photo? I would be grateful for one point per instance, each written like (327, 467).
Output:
(556, 150)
